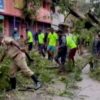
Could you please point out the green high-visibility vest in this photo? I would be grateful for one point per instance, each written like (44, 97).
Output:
(41, 38)
(52, 39)
(70, 42)
(30, 36)
(75, 38)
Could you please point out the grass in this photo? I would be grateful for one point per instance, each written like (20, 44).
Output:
(2, 96)
(95, 71)
(48, 76)
(95, 74)
(4, 77)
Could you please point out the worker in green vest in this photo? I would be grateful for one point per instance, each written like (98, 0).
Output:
(52, 43)
(41, 37)
(29, 39)
(71, 44)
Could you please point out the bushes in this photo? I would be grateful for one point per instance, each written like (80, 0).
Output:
(42, 68)
(95, 74)
(45, 70)
(4, 78)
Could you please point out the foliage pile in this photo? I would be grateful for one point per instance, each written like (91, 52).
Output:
(4, 70)
(95, 74)
(44, 69)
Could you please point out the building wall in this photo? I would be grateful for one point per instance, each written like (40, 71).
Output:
(44, 15)
(44, 19)
(11, 9)
(9, 26)
(6, 26)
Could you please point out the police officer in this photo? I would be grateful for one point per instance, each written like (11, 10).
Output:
(12, 49)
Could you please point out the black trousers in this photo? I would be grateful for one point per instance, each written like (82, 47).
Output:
(30, 46)
(62, 53)
(41, 49)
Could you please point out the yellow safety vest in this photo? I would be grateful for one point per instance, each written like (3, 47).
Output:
(52, 39)
(41, 38)
(30, 36)
(70, 42)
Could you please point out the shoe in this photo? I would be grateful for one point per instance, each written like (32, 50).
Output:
(38, 85)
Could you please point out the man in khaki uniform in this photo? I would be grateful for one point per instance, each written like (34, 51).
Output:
(12, 49)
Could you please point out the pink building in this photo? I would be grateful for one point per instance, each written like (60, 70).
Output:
(43, 19)
(11, 16)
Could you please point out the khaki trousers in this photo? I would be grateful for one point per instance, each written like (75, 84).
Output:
(19, 64)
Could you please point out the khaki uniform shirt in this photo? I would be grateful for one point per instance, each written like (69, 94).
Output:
(10, 49)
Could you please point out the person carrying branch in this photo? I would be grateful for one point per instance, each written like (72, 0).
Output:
(18, 57)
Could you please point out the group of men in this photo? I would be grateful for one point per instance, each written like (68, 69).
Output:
(58, 45)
